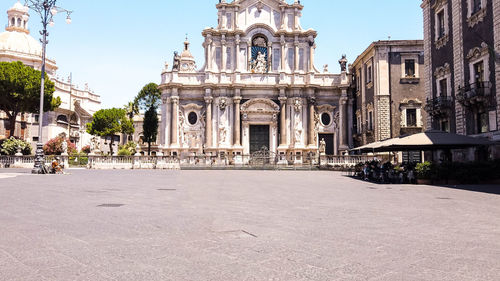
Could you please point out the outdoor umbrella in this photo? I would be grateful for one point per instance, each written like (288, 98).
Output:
(432, 140)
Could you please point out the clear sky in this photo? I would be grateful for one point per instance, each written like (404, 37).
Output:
(119, 46)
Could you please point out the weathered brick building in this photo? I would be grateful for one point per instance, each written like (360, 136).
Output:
(387, 90)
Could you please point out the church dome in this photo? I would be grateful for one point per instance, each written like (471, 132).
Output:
(19, 42)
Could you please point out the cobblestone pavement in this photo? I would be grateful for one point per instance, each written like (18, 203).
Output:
(241, 225)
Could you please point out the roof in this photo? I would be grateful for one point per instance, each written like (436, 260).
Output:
(384, 43)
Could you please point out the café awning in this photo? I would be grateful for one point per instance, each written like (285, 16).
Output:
(429, 140)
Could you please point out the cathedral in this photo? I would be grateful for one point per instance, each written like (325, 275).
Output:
(259, 89)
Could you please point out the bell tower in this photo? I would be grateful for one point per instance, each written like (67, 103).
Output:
(18, 17)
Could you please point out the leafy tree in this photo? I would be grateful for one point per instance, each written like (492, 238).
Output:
(108, 123)
(150, 127)
(20, 91)
(148, 100)
(148, 97)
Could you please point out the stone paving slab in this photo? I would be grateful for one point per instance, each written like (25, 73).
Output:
(241, 225)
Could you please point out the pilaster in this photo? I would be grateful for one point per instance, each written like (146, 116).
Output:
(208, 122)
(237, 121)
(175, 118)
(496, 33)
(427, 75)
(283, 114)
(458, 62)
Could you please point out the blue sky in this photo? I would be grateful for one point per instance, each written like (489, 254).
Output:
(119, 46)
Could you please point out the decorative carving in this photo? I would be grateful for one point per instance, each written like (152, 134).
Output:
(222, 104)
(477, 17)
(441, 42)
(297, 104)
(442, 71)
(478, 52)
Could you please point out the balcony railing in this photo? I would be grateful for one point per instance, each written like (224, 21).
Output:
(476, 94)
(439, 106)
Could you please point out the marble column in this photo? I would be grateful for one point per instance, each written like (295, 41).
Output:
(237, 121)
(175, 119)
(237, 53)
(311, 122)
(283, 141)
(165, 110)
(208, 126)
(283, 54)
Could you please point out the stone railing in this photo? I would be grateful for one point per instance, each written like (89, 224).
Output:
(133, 162)
(345, 161)
(26, 161)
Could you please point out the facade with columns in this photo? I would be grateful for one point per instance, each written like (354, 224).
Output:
(258, 88)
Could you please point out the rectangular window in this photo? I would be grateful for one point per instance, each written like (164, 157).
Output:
(276, 59)
(411, 117)
(301, 59)
(370, 121)
(228, 58)
(410, 68)
(229, 21)
(445, 125)
(441, 24)
(483, 122)
(479, 72)
(277, 19)
(359, 125)
(476, 6)
(291, 61)
(37, 117)
(358, 81)
(443, 87)
(218, 58)
(291, 20)
(369, 74)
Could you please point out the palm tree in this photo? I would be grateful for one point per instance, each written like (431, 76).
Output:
(132, 109)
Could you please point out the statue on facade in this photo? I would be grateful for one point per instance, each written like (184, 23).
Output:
(325, 68)
(322, 147)
(222, 104)
(343, 63)
(177, 61)
(260, 64)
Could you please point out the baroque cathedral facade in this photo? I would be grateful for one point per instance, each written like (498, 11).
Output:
(258, 90)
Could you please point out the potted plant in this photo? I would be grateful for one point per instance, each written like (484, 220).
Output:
(424, 173)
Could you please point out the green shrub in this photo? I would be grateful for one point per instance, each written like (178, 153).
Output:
(10, 146)
(424, 170)
(130, 146)
(124, 152)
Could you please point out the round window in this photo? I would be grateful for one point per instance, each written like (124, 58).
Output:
(326, 119)
(192, 118)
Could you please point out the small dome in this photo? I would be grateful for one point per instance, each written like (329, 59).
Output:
(186, 54)
(19, 7)
(19, 42)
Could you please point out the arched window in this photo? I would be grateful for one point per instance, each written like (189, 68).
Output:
(12, 22)
(62, 119)
(18, 22)
(260, 56)
(259, 44)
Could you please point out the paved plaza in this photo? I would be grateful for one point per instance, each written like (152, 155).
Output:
(241, 225)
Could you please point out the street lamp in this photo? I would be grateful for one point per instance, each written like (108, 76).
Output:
(47, 9)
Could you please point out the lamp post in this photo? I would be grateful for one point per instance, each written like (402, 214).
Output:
(47, 9)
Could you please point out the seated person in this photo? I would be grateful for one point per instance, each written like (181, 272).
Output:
(56, 168)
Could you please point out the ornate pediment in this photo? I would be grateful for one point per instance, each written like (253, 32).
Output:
(263, 106)
(478, 52)
(442, 70)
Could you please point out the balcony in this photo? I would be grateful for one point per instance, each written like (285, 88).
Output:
(439, 106)
(477, 94)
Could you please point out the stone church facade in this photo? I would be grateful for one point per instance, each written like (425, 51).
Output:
(259, 89)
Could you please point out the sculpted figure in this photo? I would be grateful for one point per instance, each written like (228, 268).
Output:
(177, 60)
(322, 146)
(261, 64)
